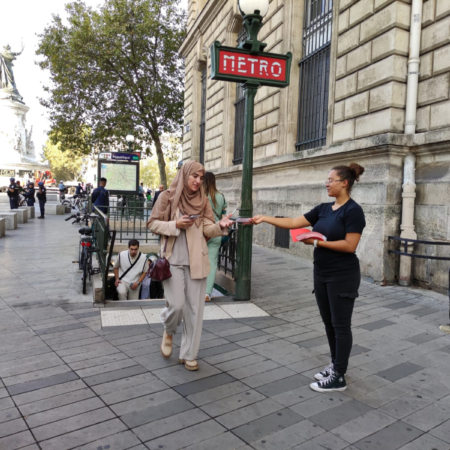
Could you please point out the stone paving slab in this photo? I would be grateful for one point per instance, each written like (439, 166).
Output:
(73, 378)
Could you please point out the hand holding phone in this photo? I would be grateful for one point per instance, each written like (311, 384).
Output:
(194, 216)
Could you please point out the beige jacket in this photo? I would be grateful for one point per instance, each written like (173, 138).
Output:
(195, 237)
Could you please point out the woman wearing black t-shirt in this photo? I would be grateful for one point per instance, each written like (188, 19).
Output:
(336, 267)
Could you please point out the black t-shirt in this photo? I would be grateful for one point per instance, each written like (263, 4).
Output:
(42, 194)
(334, 225)
(14, 194)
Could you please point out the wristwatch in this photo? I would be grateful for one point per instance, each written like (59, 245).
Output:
(315, 243)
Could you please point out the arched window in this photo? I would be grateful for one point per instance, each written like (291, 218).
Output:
(315, 74)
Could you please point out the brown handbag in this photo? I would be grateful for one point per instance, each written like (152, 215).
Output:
(160, 269)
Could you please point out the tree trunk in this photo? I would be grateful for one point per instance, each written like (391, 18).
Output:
(161, 163)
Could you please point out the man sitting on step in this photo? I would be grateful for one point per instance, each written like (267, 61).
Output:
(130, 268)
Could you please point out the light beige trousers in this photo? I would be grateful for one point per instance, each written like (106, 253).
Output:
(125, 293)
(185, 299)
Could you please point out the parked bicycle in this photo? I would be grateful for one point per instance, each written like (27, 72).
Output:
(76, 202)
(80, 218)
(86, 249)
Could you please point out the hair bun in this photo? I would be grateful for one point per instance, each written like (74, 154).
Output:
(357, 170)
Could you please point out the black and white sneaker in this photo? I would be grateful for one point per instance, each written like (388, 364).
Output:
(325, 373)
(335, 382)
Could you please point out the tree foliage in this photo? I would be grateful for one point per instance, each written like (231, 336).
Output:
(115, 70)
(67, 166)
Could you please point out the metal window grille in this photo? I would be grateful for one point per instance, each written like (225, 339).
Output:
(239, 114)
(203, 119)
(315, 74)
(281, 237)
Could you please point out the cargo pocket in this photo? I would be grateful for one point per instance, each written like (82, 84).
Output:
(351, 295)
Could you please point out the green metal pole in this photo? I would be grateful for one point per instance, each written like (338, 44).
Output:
(245, 232)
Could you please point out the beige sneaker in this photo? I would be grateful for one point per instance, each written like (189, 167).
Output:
(166, 345)
(445, 328)
(189, 365)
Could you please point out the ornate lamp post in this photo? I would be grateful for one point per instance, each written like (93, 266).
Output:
(130, 140)
(253, 12)
(251, 66)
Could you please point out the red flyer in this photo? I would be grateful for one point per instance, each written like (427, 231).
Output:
(301, 234)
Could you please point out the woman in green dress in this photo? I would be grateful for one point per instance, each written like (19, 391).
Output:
(219, 207)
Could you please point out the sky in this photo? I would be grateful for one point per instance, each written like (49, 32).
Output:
(22, 21)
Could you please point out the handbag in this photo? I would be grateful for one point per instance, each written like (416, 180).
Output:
(160, 269)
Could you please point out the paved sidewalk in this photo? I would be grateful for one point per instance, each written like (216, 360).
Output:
(67, 383)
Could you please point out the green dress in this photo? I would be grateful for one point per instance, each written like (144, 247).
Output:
(214, 244)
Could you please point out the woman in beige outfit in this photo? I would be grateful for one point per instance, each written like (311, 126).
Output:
(183, 216)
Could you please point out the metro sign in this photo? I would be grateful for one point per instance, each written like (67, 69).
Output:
(240, 66)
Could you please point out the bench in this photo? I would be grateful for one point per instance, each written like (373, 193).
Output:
(31, 212)
(22, 215)
(10, 220)
(55, 209)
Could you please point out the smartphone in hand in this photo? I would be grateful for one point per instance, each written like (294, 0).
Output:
(194, 216)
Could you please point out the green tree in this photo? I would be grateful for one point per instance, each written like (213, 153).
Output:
(115, 70)
(66, 165)
(149, 172)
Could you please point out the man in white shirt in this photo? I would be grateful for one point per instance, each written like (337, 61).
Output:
(130, 268)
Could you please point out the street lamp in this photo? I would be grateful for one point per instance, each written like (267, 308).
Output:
(253, 12)
(130, 140)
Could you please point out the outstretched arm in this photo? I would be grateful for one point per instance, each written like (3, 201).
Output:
(287, 223)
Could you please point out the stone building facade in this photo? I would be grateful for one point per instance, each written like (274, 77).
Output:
(346, 102)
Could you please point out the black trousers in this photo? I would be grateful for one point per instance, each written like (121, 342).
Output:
(335, 295)
(14, 202)
(42, 207)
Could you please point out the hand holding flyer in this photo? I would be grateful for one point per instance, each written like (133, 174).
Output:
(301, 234)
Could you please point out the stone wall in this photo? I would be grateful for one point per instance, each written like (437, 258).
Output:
(368, 74)
(371, 67)
(434, 111)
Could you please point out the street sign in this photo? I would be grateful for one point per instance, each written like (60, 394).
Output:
(241, 66)
(117, 156)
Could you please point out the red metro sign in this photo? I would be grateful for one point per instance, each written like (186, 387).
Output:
(233, 64)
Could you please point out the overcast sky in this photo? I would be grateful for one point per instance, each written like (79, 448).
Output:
(22, 21)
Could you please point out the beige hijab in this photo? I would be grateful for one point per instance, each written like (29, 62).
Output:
(179, 195)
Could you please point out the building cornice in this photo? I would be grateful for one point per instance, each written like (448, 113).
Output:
(390, 144)
(210, 10)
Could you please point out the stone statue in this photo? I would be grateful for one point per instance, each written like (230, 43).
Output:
(7, 81)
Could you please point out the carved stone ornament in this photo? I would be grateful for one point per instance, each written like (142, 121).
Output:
(235, 23)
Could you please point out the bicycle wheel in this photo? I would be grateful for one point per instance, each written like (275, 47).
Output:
(85, 271)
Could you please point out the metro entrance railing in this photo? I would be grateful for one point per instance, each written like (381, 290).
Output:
(406, 242)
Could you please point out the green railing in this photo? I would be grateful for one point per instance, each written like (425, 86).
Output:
(129, 219)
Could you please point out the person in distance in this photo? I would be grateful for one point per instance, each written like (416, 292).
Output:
(337, 273)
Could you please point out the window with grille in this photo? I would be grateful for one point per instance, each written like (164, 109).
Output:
(203, 119)
(315, 74)
(239, 114)
(281, 236)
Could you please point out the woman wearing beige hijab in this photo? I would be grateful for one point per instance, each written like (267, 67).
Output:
(183, 216)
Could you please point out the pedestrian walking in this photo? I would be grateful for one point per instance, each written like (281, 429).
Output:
(13, 194)
(29, 194)
(157, 194)
(149, 195)
(219, 207)
(337, 273)
(141, 190)
(100, 197)
(130, 268)
(42, 197)
(183, 217)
